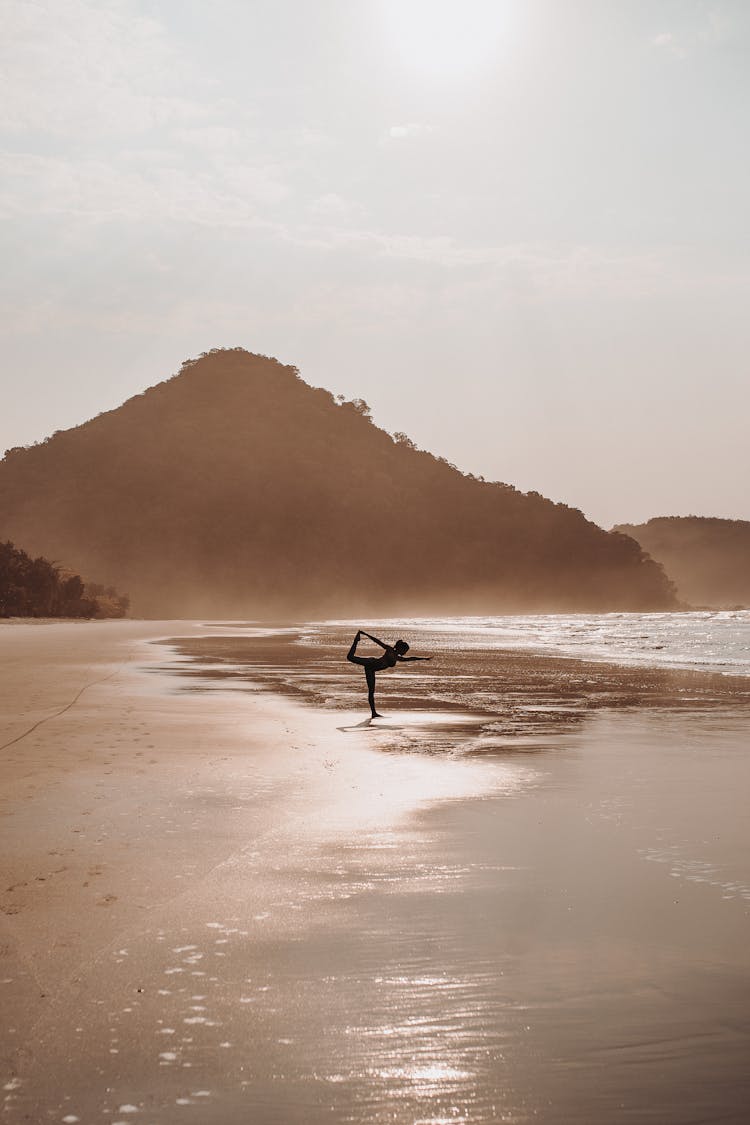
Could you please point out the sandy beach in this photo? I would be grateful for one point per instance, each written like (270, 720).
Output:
(223, 905)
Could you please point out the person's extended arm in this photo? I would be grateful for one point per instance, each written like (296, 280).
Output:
(406, 659)
(377, 642)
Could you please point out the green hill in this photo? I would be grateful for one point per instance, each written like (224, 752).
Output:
(709, 559)
(236, 488)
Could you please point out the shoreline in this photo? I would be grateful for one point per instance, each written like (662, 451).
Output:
(534, 699)
(224, 903)
(275, 627)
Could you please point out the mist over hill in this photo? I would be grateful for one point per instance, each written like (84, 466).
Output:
(236, 488)
(708, 558)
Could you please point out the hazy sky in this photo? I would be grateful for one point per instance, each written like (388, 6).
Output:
(518, 228)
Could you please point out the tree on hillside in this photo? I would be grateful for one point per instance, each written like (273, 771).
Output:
(38, 588)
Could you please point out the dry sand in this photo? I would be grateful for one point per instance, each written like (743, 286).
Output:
(224, 906)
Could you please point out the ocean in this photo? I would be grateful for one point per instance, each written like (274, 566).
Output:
(716, 641)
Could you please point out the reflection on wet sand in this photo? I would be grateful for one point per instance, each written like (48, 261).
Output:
(577, 953)
(305, 925)
(503, 956)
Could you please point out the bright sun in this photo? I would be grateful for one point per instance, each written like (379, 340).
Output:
(444, 37)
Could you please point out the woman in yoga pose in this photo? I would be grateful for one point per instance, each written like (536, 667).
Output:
(392, 655)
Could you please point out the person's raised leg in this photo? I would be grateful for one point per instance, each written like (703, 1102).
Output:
(351, 654)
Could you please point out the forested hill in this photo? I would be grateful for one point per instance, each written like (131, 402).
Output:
(236, 488)
(709, 559)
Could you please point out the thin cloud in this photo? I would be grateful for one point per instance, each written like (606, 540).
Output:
(530, 270)
(719, 26)
(408, 131)
(666, 41)
(99, 189)
(333, 208)
(71, 65)
(136, 132)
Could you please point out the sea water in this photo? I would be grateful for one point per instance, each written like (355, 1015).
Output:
(716, 641)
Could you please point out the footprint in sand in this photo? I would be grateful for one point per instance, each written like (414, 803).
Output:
(107, 900)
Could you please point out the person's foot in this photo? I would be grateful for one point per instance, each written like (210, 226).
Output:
(375, 715)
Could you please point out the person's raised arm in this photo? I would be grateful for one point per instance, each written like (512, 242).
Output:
(377, 642)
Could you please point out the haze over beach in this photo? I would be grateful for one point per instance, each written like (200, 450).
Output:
(374, 555)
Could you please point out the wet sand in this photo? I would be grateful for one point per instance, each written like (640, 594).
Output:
(228, 905)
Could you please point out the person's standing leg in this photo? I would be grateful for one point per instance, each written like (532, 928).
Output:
(370, 675)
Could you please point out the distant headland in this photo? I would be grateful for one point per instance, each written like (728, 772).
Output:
(708, 558)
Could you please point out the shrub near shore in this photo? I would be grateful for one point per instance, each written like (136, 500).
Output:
(39, 588)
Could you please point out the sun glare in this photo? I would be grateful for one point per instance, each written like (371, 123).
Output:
(444, 37)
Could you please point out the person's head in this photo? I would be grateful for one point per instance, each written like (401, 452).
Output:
(401, 647)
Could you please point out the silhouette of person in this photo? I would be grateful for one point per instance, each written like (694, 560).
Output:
(392, 655)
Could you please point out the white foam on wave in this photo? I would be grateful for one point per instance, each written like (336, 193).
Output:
(713, 640)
